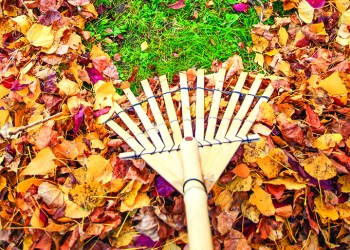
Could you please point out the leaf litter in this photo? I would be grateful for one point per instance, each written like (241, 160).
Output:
(63, 186)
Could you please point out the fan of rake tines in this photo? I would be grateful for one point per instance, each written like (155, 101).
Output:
(189, 142)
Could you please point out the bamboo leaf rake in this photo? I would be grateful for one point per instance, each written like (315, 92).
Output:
(190, 150)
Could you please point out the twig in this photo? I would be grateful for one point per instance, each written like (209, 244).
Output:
(22, 128)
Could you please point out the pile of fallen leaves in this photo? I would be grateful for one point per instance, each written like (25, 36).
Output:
(62, 185)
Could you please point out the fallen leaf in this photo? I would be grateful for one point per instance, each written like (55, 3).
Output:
(319, 167)
(240, 185)
(260, 43)
(144, 46)
(241, 7)
(288, 182)
(262, 200)
(177, 5)
(266, 114)
(272, 164)
(42, 164)
(51, 195)
(40, 35)
(88, 195)
(327, 141)
(344, 181)
(282, 36)
(78, 2)
(324, 211)
(316, 3)
(306, 11)
(226, 220)
(236, 240)
(98, 169)
(241, 170)
(224, 200)
(334, 85)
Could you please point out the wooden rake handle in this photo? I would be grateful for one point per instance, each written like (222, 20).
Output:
(195, 197)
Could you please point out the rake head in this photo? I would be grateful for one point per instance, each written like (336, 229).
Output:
(216, 111)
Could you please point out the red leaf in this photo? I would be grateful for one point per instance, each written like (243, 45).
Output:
(177, 5)
(276, 190)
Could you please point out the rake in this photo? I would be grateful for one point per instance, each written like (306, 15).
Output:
(190, 150)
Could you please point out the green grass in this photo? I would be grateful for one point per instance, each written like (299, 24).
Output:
(215, 34)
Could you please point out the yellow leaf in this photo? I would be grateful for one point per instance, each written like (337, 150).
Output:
(271, 164)
(27, 242)
(97, 51)
(98, 169)
(344, 180)
(254, 151)
(3, 182)
(23, 23)
(144, 46)
(35, 221)
(306, 11)
(327, 141)
(105, 95)
(266, 114)
(4, 115)
(318, 29)
(334, 85)
(259, 43)
(130, 192)
(42, 164)
(282, 36)
(262, 200)
(23, 186)
(3, 91)
(259, 59)
(319, 167)
(142, 200)
(344, 210)
(288, 182)
(272, 53)
(88, 195)
(284, 67)
(35, 118)
(253, 214)
(240, 185)
(169, 245)
(40, 35)
(324, 211)
(74, 211)
(125, 236)
(68, 87)
(342, 5)
(224, 200)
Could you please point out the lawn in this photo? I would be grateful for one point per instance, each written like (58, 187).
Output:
(193, 36)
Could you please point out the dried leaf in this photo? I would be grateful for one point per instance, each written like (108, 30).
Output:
(42, 164)
(51, 195)
(324, 211)
(288, 182)
(306, 11)
(334, 85)
(319, 167)
(327, 141)
(241, 7)
(240, 185)
(262, 200)
(272, 164)
(177, 5)
(282, 36)
(241, 170)
(40, 35)
(344, 181)
(98, 169)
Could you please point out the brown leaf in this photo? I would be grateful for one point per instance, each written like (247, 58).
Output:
(226, 220)
(177, 5)
(236, 241)
(290, 130)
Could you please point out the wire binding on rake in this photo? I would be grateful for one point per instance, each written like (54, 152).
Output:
(229, 93)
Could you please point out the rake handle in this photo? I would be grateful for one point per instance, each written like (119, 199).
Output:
(195, 197)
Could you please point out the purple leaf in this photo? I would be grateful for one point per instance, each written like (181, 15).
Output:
(43, 218)
(49, 17)
(145, 241)
(163, 188)
(103, 111)
(49, 84)
(102, 8)
(13, 84)
(241, 7)
(94, 75)
(78, 120)
(316, 3)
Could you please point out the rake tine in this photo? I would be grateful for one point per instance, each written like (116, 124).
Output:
(170, 110)
(215, 105)
(254, 113)
(149, 127)
(140, 136)
(226, 119)
(237, 120)
(163, 129)
(185, 102)
(199, 133)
